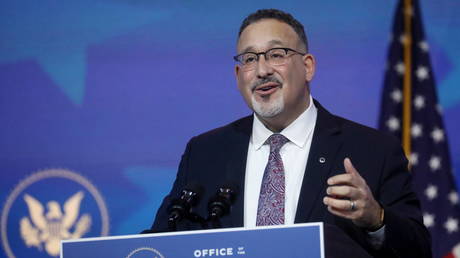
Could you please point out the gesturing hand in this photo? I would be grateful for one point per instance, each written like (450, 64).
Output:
(348, 196)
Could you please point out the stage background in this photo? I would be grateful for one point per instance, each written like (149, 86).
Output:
(112, 90)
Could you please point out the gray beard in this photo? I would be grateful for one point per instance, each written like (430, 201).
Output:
(270, 108)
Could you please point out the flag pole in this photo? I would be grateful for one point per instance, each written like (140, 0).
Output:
(407, 93)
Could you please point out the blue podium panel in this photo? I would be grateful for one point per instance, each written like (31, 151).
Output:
(299, 240)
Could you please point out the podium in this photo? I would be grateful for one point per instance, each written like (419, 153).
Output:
(308, 240)
(299, 240)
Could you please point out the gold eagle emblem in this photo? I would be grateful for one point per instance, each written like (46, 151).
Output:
(50, 228)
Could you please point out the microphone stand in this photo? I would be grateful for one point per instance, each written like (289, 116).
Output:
(220, 205)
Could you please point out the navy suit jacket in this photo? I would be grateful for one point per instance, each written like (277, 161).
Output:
(219, 156)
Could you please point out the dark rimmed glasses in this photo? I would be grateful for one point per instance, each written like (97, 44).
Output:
(273, 56)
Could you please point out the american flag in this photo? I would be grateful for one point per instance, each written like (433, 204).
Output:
(410, 111)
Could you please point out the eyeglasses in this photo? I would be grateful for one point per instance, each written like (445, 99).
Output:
(273, 56)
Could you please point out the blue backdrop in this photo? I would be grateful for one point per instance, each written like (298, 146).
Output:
(100, 97)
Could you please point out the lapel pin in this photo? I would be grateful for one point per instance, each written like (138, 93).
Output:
(322, 159)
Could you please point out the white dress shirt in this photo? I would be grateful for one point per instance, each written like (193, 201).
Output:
(294, 155)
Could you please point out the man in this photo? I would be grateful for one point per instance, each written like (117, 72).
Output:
(320, 167)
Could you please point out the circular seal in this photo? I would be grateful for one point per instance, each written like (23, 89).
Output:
(49, 228)
(148, 249)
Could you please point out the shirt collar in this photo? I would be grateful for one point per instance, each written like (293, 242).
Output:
(297, 132)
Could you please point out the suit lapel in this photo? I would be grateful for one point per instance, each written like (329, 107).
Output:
(325, 145)
(235, 169)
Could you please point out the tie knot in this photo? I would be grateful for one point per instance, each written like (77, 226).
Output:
(276, 141)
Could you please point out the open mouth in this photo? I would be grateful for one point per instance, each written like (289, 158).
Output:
(267, 88)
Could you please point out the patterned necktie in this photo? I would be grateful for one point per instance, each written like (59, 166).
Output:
(271, 200)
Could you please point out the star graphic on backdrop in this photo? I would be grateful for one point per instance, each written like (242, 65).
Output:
(393, 123)
(71, 27)
(419, 102)
(451, 225)
(421, 73)
(400, 68)
(434, 163)
(396, 95)
(431, 192)
(423, 45)
(453, 197)
(428, 220)
(154, 183)
(416, 130)
(437, 134)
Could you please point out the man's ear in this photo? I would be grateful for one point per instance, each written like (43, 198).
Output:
(237, 75)
(310, 66)
(237, 71)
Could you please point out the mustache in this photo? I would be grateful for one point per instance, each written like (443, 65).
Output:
(265, 80)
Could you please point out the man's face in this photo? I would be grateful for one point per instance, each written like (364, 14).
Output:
(277, 94)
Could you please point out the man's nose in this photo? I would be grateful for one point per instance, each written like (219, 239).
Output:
(263, 68)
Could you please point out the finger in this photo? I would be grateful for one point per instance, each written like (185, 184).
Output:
(342, 191)
(349, 168)
(346, 179)
(341, 213)
(338, 204)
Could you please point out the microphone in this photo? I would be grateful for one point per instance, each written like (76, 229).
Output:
(182, 207)
(220, 204)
